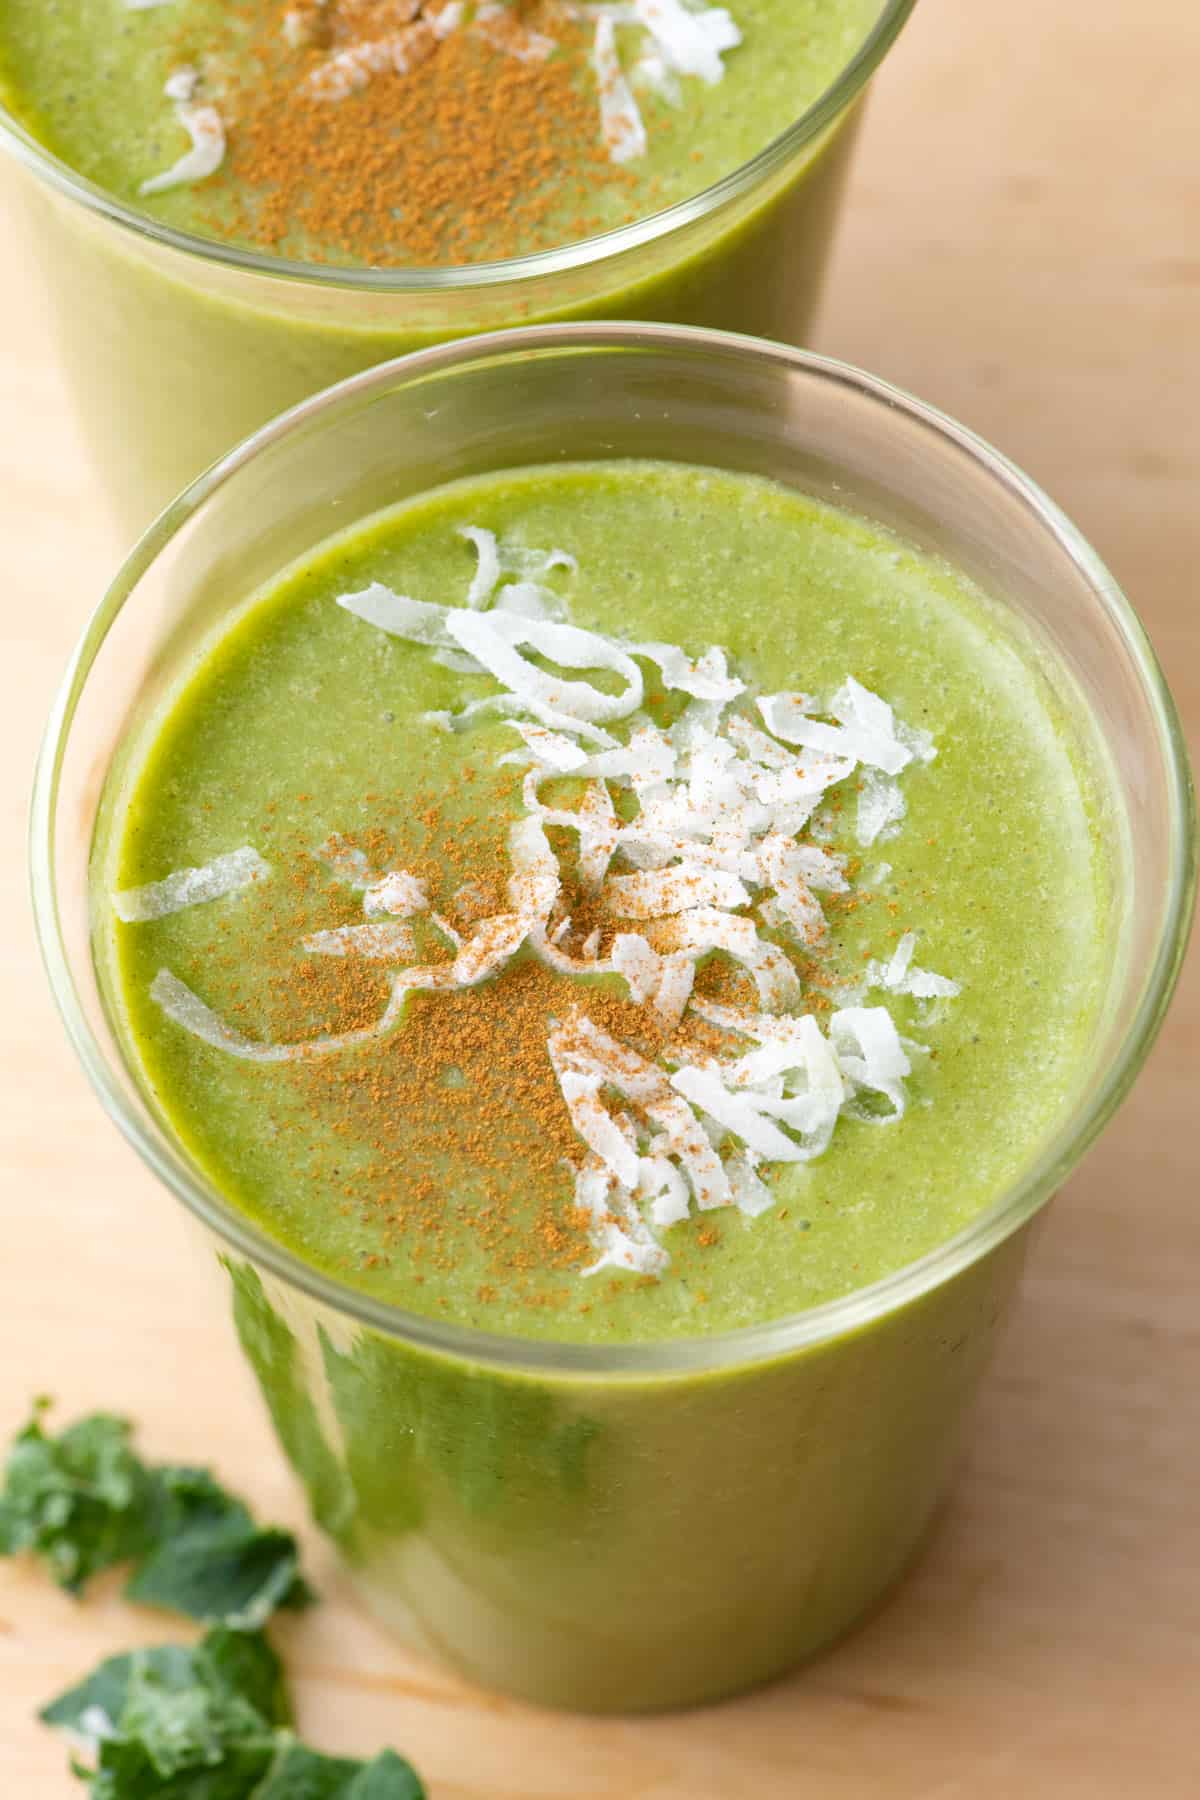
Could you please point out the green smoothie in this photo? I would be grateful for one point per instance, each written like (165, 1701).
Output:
(484, 131)
(309, 727)
(613, 905)
(338, 196)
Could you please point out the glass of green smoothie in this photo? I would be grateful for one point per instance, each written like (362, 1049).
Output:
(614, 870)
(236, 207)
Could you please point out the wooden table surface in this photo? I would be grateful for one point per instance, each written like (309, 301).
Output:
(1023, 248)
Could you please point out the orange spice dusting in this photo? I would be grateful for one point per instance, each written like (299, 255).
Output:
(470, 151)
(454, 1139)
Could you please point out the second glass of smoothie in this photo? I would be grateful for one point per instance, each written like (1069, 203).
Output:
(283, 199)
(630, 865)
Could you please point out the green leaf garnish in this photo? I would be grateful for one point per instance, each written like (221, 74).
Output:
(225, 1667)
(207, 1724)
(79, 1501)
(303, 1774)
(84, 1501)
(209, 1559)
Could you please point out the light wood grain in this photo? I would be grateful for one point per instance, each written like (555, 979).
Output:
(1022, 247)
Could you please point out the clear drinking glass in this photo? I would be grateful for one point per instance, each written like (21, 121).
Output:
(177, 346)
(600, 1527)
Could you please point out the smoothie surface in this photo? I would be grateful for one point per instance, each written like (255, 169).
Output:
(391, 132)
(943, 901)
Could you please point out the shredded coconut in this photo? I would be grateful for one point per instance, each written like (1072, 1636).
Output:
(690, 42)
(621, 124)
(881, 809)
(380, 941)
(701, 858)
(205, 129)
(397, 894)
(349, 70)
(191, 887)
(496, 22)
(901, 976)
(657, 893)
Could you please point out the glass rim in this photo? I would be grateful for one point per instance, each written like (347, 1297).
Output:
(648, 1358)
(841, 92)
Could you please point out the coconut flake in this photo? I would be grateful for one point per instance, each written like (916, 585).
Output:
(662, 1187)
(226, 874)
(881, 807)
(900, 976)
(351, 69)
(397, 894)
(497, 24)
(551, 953)
(496, 639)
(870, 1054)
(647, 760)
(621, 124)
(658, 893)
(651, 71)
(486, 578)
(534, 884)
(706, 928)
(676, 980)
(181, 84)
(186, 1009)
(641, 966)
(581, 1048)
(380, 941)
(618, 1230)
(751, 1195)
(757, 747)
(550, 750)
(690, 42)
(865, 733)
(345, 861)
(496, 561)
(493, 943)
(205, 129)
(417, 621)
(923, 984)
(595, 1125)
(533, 564)
(705, 679)
(663, 983)
(737, 1112)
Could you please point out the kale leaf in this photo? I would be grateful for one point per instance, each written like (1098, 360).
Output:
(209, 1559)
(84, 1501)
(79, 1501)
(207, 1723)
(303, 1774)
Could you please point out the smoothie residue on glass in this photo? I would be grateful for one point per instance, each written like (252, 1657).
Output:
(385, 132)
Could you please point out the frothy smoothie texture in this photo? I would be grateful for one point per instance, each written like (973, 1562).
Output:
(393, 154)
(605, 907)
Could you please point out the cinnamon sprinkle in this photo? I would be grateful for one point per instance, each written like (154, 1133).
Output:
(471, 152)
(449, 1137)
